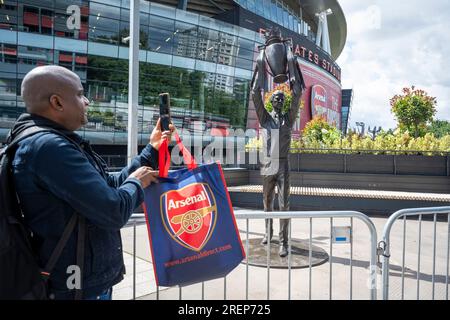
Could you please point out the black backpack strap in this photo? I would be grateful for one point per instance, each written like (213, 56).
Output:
(37, 129)
(60, 246)
(81, 243)
(25, 134)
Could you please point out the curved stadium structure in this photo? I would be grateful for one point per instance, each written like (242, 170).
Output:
(200, 51)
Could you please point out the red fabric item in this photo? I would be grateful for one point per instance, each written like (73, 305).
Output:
(164, 157)
(31, 18)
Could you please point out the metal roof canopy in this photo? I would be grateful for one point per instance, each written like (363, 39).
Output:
(337, 24)
(308, 8)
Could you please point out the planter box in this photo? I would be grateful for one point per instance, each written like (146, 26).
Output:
(318, 162)
(370, 163)
(366, 164)
(421, 165)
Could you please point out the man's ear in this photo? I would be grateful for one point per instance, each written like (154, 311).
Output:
(56, 102)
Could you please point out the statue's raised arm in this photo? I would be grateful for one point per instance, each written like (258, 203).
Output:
(297, 84)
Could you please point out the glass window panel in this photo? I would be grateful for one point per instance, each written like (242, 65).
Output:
(144, 6)
(124, 14)
(185, 40)
(160, 34)
(144, 19)
(8, 36)
(34, 56)
(267, 8)
(8, 63)
(103, 23)
(161, 10)
(102, 10)
(251, 5)
(242, 73)
(35, 40)
(273, 10)
(185, 28)
(260, 8)
(162, 23)
(159, 58)
(161, 46)
(243, 3)
(207, 50)
(123, 37)
(227, 45)
(60, 25)
(249, 55)
(229, 28)
(8, 16)
(8, 89)
(182, 62)
(103, 49)
(99, 35)
(209, 23)
(31, 19)
(244, 63)
(126, 3)
(39, 3)
(185, 49)
(279, 14)
(246, 45)
(71, 45)
(143, 37)
(296, 25)
(124, 53)
(247, 34)
(208, 34)
(8, 57)
(115, 3)
(186, 16)
(285, 19)
(225, 71)
(205, 66)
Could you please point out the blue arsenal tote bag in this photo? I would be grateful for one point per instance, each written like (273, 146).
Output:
(191, 225)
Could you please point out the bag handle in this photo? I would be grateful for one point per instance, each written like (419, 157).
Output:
(164, 157)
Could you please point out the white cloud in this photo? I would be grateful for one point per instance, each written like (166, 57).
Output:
(393, 44)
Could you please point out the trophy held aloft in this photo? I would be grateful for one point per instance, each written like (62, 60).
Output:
(277, 59)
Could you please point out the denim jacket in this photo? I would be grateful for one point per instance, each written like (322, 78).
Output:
(53, 180)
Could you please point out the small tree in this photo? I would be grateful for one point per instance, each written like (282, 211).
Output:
(414, 109)
(439, 128)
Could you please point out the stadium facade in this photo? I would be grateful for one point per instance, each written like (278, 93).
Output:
(200, 51)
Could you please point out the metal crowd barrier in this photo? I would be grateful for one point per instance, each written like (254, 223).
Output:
(384, 248)
(311, 215)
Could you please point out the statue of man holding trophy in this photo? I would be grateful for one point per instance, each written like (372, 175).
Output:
(277, 116)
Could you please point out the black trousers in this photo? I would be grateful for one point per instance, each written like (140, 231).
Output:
(281, 181)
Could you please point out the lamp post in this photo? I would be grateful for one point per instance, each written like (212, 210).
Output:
(133, 81)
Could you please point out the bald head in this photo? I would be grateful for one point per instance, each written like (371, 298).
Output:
(42, 82)
(55, 93)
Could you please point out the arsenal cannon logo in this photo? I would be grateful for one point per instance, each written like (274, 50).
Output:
(189, 215)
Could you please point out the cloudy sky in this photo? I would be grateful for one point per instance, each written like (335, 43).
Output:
(393, 44)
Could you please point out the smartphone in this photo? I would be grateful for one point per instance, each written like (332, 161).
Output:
(164, 111)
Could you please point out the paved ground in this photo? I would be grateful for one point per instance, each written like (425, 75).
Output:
(237, 285)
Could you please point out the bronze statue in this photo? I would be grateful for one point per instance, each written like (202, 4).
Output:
(277, 123)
